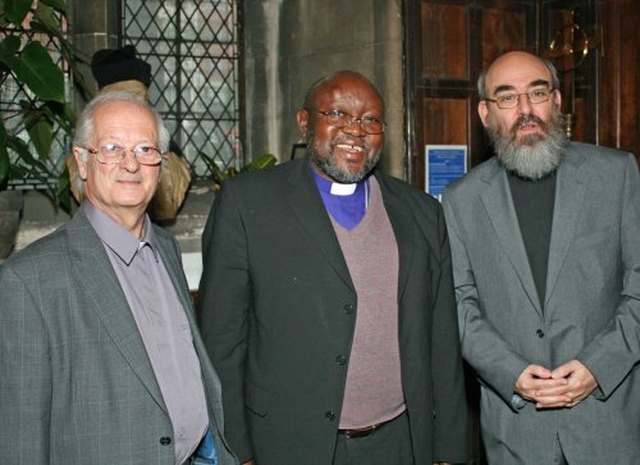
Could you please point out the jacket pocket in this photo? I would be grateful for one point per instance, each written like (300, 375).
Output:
(257, 399)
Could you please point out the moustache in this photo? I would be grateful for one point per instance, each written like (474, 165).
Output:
(346, 140)
(528, 119)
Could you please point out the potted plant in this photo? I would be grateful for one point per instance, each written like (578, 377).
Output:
(219, 176)
(34, 49)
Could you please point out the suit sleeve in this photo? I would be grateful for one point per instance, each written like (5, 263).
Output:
(494, 360)
(616, 350)
(225, 305)
(25, 374)
(450, 401)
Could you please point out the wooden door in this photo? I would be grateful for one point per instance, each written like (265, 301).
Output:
(448, 43)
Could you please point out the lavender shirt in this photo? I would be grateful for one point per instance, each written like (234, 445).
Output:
(163, 326)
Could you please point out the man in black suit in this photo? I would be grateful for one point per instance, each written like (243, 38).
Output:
(327, 301)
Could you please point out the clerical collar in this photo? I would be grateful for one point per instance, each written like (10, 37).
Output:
(343, 189)
(335, 188)
(347, 203)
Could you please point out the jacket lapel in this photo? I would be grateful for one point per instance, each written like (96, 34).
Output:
(498, 204)
(99, 283)
(305, 202)
(570, 191)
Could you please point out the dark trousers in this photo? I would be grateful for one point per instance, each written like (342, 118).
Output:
(389, 445)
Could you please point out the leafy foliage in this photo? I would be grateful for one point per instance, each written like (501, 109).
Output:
(219, 176)
(24, 57)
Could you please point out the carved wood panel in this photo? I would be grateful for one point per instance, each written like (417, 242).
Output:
(619, 75)
(450, 41)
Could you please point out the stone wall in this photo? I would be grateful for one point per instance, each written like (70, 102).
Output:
(287, 45)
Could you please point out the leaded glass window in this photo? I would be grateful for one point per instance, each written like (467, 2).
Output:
(192, 47)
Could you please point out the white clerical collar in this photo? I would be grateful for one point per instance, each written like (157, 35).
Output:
(343, 189)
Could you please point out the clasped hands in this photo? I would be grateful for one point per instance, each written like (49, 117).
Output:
(565, 386)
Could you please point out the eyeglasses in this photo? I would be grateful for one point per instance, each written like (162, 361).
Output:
(340, 119)
(111, 154)
(510, 100)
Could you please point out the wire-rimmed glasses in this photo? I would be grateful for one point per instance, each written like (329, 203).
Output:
(111, 154)
(508, 100)
(339, 119)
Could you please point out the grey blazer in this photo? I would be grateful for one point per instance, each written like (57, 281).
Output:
(591, 312)
(76, 385)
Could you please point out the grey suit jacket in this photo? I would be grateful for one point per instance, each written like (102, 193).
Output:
(278, 316)
(591, 312)
(76, 384)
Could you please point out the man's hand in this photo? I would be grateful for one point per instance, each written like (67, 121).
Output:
(580, 383)
(250, 462)
(535, 379)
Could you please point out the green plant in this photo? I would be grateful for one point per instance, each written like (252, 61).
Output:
(219, 175)
(33, 50)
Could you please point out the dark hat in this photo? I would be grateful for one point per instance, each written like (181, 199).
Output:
(121, 64)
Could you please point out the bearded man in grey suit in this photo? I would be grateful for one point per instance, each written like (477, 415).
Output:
(546, 260)
(101, 359)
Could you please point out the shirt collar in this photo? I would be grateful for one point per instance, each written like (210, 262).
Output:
(334, 188)
(116, 237)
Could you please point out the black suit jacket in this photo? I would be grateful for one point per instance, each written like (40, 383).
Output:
(278, 313)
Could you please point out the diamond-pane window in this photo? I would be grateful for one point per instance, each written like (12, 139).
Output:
(193, 52)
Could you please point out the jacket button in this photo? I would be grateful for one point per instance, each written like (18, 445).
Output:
(331, 416)
(540, 333)
(341, 360)
(165, 441)
(349, 309)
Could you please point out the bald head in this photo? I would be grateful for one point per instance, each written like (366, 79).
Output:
(330, 83)
(513, 65)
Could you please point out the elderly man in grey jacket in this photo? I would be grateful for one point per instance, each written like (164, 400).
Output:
(101, 359)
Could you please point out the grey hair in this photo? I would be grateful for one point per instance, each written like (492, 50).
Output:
(555, 80)
(85, 126)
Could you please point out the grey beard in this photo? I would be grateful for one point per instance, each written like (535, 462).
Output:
(538, 156)
(328, 166)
